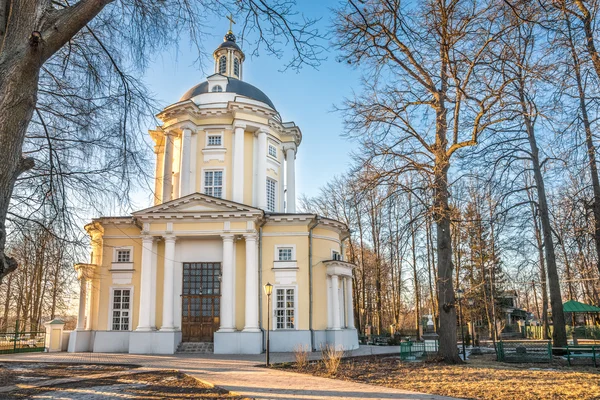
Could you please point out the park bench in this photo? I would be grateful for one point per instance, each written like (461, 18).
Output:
(581, 351)
(380, 340)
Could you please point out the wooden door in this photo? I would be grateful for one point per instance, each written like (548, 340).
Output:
(201, 300)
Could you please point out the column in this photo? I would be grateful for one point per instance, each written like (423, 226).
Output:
(144, 320)
(167, 187)
(251, 321)
(261, 175)
(184, 174)
(153, 284)
(329, 307)
(290, 160)
(335, 302)
(227, 278)
(82, 301)
(193, 162)
(168, 323)
(84, 272)
(88, 305)
(238, 163)
(349, 303)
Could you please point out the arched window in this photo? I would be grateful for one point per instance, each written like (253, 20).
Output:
(217, 88)
(222, 64)
(236, 67)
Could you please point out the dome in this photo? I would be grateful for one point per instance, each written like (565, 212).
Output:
(233, 86)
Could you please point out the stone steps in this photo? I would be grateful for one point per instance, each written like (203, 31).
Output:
(195, 348)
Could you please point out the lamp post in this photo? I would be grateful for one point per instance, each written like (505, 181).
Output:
(268, 290)
(471, 303)
(459, 295)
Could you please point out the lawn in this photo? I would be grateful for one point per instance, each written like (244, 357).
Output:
(481, 378)
(85, 381)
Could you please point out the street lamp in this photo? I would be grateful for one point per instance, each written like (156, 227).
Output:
(471, 303)
(459, 296)
(268, 290)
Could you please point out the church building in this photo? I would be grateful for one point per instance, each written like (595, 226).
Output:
(192, 267)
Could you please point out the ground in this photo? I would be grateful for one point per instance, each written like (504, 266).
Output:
(96, 381)
(481, 378)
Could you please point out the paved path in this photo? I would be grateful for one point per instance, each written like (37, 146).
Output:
(244, 374)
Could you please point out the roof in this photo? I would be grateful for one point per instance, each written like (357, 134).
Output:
(233, 86)
(573, 306)
(229, 44)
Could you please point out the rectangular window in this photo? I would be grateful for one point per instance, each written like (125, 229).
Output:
(213, 183)
(124, 256)
(335, 255)
(285, 254)
(272, 151)
(214, 140)
(285, 317)
(271, 185)
(121, 309)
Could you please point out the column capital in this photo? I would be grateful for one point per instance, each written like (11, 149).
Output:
(170, 132)
(148, 238)
(289, 146)
(170, 238)
(239, 124)
(262, 131)
(250, 236)
(227, 237)
(85, 271)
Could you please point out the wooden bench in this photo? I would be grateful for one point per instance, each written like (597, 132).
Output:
(581, 351)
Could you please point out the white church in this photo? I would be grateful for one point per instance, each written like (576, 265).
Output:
(192, 268)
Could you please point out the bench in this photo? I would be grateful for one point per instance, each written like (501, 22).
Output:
(581, 351)
(380, 340)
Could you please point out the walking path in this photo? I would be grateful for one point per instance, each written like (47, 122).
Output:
(243, 374)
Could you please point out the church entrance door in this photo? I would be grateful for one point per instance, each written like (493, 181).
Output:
(201, 300)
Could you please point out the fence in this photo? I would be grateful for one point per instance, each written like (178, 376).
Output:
(525, 351)
(413, 350)
(22, 342)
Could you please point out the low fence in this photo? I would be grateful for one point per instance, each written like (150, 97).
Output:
(413, 350)
(22, 342)
(524, 351)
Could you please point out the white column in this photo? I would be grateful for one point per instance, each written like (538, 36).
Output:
(349, 304)
(329, 307)
(88, 305)
(144, 320)
(251, 321)
(261, 175)
(184, 168)
(335, 302)
(227, 279)
(153, 285)
(83, 276)
(168, 323)
(290, 159)
(167, 187)
(238, 163)
(193, 162)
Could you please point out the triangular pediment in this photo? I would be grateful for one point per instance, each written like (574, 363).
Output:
(198, 203)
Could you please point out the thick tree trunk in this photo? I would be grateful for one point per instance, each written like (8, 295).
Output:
(559, 334)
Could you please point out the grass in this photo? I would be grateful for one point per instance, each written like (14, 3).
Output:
(77, 381)
(481, 378)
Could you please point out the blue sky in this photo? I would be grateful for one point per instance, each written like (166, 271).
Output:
(306, 97)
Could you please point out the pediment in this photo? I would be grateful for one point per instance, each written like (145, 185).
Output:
(198, 203)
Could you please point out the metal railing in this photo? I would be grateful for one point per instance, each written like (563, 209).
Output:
(22, 342)
(524, 351)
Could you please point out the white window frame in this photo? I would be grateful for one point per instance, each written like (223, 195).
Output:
(334, 252)
(218, 137)
(111, 307)
(223, 187)
(213, 133)
(219, 65)
(116, 252)
(236, 65)
(274, 182)
(284, 264)
(274, 306)
(217, 89)
(272, 146)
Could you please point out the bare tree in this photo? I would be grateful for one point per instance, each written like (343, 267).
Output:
(428, 93)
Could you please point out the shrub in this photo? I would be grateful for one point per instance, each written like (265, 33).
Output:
(331, 358)
(301, 353)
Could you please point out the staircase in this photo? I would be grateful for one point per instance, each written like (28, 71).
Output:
(195, 348)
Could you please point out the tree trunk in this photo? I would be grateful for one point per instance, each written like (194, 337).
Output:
(414, 264)
(559, 335)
